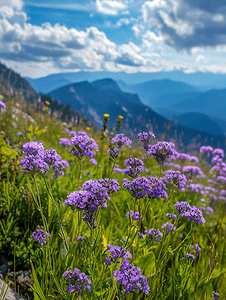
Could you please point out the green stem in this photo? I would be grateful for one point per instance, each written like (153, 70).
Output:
(161, 211)
(80, 170)
(51, 195)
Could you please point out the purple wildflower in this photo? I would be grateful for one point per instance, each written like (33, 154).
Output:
(158, 188)
(19, 133)
(93, 161)
(113, 153)
(216, 295)
(82, 133)
(135, 216)
(194, 170)
(2, 105)
(182, 207)
(116, 253)
(65, 142)
(84, 146)
(130, 276)
(121, 140)
(33, 148)
(154, 234)
(189, 256)
(171, 216)
(72, 133)
(80, 239)
(134, 168)
(178, 179)
(145, 138)
(39, 236)
(168, 226)
(219, 152)
(172, 165)
(196, 188)
(206, 149)
(221, 179)
(93, 194)
(160, 151)
(78, 282)
(197, 249)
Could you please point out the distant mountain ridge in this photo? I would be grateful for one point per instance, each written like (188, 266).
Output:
(203, 81)
(93, 99)
(107, 97)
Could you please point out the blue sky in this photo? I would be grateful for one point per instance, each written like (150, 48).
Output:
(39, 38)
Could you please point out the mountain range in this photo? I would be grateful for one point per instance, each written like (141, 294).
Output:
(92, 99)
(167, 97)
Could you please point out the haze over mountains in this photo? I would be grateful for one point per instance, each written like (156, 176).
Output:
(167, 97)
(91, 99)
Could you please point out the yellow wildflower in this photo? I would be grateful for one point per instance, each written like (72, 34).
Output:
(87, 128)
(106, 115)
(3, 124)
(2, 132)
(104, 242)
(46, 108)
(120, 117)
(47, 103)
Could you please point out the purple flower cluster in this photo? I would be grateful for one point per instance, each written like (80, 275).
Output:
(158, 188)
(145, 138)
(65, 142)
(216, 295)
(113, 153)
(154, 235)
(168, 226)
(196, 188)
(197, 249)
(39, 236)
(178, 179)
(121, 140)
(116, 253)
(84, 145)
(72, 133)
(41, 161)
(193, 213)
(160, 151)
(194, 170)
(172, 165)
(171, 216)
(219, 152)
(77, 281)
(130, 276)
(189, 256)
(134, 168)
(2, 105)
(93, 194)
(140, 186)
(33, 148)
(206, 149)
(135, 216)
(80, 239)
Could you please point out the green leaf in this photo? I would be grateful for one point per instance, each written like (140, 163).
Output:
(146, 263)
(217, 273)
(63, 250)
(38, 293)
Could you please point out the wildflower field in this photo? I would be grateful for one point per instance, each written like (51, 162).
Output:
(95, 217)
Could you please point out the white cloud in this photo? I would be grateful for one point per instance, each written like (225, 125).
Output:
(111, 7)
(37, 51)
(187, 24)
(17, 4)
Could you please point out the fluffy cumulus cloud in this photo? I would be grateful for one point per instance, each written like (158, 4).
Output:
(111, 7)
(161, 31)
(186, 24)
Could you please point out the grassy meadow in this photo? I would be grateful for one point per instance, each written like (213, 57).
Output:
(186, 261)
